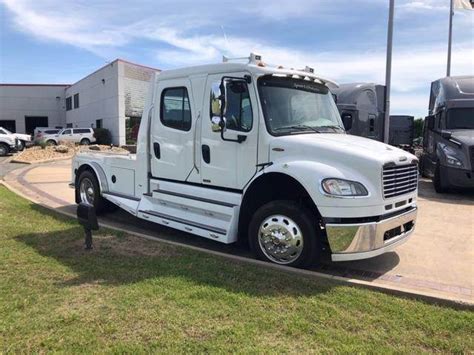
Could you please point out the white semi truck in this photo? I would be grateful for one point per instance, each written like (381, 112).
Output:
(248, 152)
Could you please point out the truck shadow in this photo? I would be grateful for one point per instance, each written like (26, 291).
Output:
(427, 191)
(118, 258)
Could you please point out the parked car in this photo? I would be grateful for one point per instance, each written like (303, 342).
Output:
(255, 153)
(40, 132)
(23, 139)
(448, 134)
(82, 136)
(8, 142)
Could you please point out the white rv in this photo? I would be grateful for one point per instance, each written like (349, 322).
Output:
(246, 151)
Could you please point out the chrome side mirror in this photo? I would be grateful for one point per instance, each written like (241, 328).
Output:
(216, 124)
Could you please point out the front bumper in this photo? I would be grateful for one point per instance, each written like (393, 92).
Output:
(355, 241)
(458, 178)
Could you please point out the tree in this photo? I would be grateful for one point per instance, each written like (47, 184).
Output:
(418, 127)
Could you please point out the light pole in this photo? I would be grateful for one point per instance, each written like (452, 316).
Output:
(388, 71)
(451, 13)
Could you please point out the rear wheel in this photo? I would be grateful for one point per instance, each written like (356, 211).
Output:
(3, 150)
(284, 233)
(21, 146)
(89, 191)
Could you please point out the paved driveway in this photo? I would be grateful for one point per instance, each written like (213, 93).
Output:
(6, 167)
(438, 259)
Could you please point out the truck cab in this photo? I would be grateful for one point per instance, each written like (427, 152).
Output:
(448, 134)
(248, 152)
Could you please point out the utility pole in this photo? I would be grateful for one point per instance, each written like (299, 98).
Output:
(450, 39)
(388, 71)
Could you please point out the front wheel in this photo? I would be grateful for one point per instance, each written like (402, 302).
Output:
(3, 149)
(285, 233)
(21, 146)
(85, 141)
(438, 183)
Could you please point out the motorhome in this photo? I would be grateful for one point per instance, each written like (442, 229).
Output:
(249, 152)
(448, 134)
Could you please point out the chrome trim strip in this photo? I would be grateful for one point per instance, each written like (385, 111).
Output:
(121, 195)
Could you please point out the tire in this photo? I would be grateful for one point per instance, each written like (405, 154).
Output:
(51, 142)
(422, 168)
(87, 180)
(438, 184)
(302, 245)
(21, 146)
(85, 141)
(4, 149)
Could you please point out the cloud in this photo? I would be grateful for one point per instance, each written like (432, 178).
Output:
(185, 32)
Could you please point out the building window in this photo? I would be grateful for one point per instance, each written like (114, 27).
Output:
(175, 109)
(76, 100)
(98, 123)
(68, 103)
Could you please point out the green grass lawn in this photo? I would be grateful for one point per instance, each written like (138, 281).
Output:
(134, 295)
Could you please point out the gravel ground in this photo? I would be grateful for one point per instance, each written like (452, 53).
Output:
(36, 153)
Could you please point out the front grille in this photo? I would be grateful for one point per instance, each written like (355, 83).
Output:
(471, 151)
(399, 180)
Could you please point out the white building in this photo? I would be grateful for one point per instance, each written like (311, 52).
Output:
(111, 97)
(24, 107)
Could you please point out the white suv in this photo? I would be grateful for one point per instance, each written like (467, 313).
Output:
(23, 139)
(83, 136)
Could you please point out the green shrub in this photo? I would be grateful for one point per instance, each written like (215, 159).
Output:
(103, 136)
(42, 143)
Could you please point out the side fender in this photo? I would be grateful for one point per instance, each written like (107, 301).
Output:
(99, 173)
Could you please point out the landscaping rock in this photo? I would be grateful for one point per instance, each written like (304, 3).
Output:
(61, 149)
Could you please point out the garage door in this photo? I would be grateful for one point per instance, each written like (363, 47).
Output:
(9, 125)
(31, 122)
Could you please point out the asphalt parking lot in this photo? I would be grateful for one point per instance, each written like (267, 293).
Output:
(439, 257)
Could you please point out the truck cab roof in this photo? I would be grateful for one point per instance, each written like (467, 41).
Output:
(257, 68)
(453, 91)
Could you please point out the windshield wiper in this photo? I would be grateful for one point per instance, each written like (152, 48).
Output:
(298, 127)
(334, 127)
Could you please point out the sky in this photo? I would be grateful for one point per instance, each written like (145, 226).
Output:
(61, 41)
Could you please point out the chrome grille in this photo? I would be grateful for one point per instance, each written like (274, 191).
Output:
(399, 180)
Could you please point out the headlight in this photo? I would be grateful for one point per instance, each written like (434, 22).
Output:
(452, 155)
(339, 187)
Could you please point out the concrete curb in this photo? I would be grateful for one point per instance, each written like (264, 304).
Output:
(40, 161)
(8, 160)
(387, 289)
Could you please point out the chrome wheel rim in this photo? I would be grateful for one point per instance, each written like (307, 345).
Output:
(280, 239)
(86, 191)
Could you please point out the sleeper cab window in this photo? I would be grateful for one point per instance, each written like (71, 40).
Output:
(175, 110)
(238, 110)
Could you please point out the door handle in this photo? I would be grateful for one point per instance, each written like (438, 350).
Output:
(157, 150)
(206, 153)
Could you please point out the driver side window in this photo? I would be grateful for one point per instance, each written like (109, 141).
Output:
(238, 111)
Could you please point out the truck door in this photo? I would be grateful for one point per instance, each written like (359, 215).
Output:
(172, 136)
(224, 163)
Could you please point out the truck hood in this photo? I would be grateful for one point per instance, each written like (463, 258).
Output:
(339, 149)
(465, 136)
(23, 137)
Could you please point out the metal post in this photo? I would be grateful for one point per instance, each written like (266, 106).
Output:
(388, 71)
(451, 13)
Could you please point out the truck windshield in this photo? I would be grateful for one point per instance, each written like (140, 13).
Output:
(460, 118)
(292, 106)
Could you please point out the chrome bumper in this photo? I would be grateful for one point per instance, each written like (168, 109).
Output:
(366, 240)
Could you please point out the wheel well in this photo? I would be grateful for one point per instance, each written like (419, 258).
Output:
(271, 187)
(78, 173)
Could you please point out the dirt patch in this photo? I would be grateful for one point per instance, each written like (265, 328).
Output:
(39, 154)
